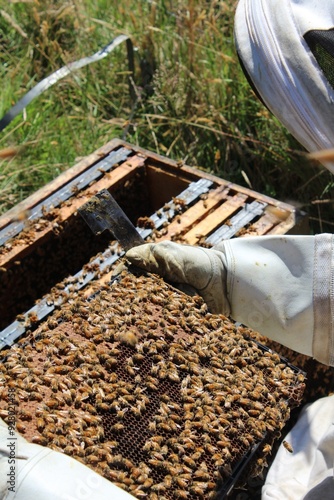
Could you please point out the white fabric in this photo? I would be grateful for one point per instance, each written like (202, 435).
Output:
(269, 40)
(269, 287)
(323, 298)
(44, 474)
(307, 472)
(283, 287)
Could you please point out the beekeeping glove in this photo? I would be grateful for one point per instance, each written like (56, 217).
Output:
(281, 286)
(201, 268)
(303, 466)
(33, 472)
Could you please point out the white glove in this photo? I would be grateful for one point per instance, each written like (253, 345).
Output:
(201, 268)
(306, 471)
(281, 286)
(32, 472)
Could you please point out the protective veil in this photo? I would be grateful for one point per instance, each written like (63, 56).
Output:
(287, 50)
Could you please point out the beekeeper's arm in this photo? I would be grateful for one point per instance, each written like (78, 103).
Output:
(32, 472)
(281, 286)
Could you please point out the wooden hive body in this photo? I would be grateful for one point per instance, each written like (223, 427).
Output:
(53, 270)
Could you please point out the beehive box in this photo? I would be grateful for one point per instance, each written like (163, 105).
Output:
(52, 270)
(43, 240)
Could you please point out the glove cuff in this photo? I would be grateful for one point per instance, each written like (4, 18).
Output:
(214, 293)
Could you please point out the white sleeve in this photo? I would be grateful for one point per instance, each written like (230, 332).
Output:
(283, 287)
(32, 472)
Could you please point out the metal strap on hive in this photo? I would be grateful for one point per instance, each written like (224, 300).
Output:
(66, 70)
(238, 222)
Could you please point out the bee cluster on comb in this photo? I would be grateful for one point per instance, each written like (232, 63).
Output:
(141, 383)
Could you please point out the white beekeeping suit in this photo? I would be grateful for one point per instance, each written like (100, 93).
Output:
(287, 50)
(282, 286)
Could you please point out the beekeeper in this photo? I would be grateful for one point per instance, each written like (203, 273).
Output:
(281, 286)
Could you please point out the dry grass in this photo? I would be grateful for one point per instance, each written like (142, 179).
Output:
(193, 102)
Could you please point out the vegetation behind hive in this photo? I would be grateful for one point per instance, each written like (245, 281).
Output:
(195, 103)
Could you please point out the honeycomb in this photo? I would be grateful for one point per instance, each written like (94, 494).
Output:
(142, 384)
(320, 377)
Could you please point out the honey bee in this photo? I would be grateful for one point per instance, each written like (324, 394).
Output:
(128, 338)
(151, 386)
(62, 369)
(54, 385)
(181, 494)
(159, 487)
(157, 455)
(123, 477)
(149, 445)
(173, 376)
(267, 448)
(52, 323)
(152, 426)
(39, 440)
(137, 473)
(189, 461)
(261, 462)
(138, 357)
(52, 403)
(288, 446)
(25, 415)
(91, 419)
(168, 480)
(201, 474)
(21, 427)
(218, 460)
(197, 454)
(157, 464)
(40, 424)
(60, 441)
(173, 457)
(147, 483)
(103, 406)
(181, 482)
(176, 418)
(67, 397)
(164, 426)
(118, 427)
(121, 413)
(173, 469)
(131, 370)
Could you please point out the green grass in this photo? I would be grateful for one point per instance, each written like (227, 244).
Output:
(194, 103)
